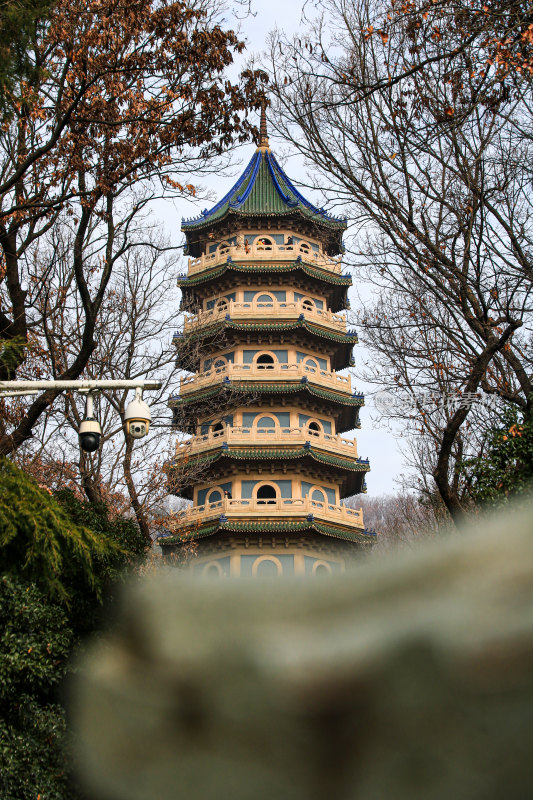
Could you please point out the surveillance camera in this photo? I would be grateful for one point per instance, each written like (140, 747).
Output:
(89, 435)
(137, 418)
(137, 428)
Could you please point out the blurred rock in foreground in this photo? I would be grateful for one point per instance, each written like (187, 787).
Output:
(410, 676)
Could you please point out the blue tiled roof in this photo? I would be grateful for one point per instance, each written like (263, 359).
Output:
(264, 189)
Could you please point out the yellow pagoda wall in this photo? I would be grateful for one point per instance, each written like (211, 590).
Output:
(298, 491)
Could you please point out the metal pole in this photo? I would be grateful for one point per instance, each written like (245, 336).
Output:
(84, 385)
(14, 393)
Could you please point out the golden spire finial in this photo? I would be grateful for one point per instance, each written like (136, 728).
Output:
(263, 135)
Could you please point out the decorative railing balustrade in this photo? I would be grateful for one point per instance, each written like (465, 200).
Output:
(265, 310)
(238, 435)
(289, 507)
(265, 252)
(265, 372)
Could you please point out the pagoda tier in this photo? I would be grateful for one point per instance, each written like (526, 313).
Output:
(263, 343)
(307, 399)
(223, 461)
(235, 323)
(225, 274)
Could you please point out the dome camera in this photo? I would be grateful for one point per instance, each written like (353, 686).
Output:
(89, 435)
(137, 417)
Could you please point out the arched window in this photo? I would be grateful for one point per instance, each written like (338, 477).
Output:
(265, 361)
(263, 243)
(308, 304)
(266, 567)
(314, 427)
(222, 304)
(265, 423)
(318, 496)
(311, 365)
(305, 247)
(217, 428)
(220, 364)
(214, 496)
(212, 569)
(223, 247)
(321, 568)
(267, 494)
(264, 300)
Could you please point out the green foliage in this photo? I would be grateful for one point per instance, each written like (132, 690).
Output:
(125, 545)
(40, 541)
(506, 468)
(128, 540)
(35, 643)
(58, 556)
(18, 21)
(11, 350)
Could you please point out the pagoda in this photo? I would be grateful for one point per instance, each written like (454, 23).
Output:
(265, 403)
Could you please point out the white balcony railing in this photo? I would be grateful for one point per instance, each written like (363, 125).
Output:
(265, 252)
(282, 507)
(238, 435)
(265, 372)
(271, 310)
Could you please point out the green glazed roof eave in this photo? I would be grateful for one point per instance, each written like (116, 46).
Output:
(203, 394)
(321, 331)
(352, 469)
(263, 189)
(352, 464)
(216, 272)
(254, 526)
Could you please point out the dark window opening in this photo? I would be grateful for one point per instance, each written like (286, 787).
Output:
(266, 494)
(265, 361)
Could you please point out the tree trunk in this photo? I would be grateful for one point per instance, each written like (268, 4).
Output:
(136, 505)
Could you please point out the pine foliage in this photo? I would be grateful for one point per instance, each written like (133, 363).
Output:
(39, 540)
(58, 557)
(18, 22)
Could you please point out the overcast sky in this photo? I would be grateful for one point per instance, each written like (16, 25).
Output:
(374, 441)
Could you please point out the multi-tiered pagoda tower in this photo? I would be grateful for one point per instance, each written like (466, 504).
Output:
(266, 405)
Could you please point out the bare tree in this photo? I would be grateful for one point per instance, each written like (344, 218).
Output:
(435, 172)
(134, 339)
(402, 519)
(419, 369)
(121, 106)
